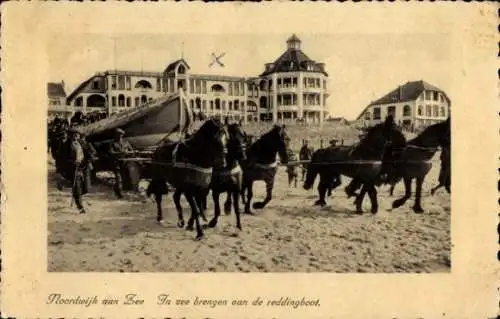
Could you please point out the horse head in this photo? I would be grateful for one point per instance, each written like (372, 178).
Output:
(282, 140)
(212, 139)
(378, 138)
(237, 144)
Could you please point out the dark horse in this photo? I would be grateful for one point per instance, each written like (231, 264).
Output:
(261, 165)
(413, 161)
(188, 167)
(228, 179)
(362, 161)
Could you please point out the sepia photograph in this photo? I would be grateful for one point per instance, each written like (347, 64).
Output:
(281, 153)
(239, 160)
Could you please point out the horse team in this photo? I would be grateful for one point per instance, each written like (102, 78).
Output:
(221, 158)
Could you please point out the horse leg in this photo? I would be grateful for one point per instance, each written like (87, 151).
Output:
(417, 207)
(215, 197)
(177, 202)
(269, 195)
(249, 187)
(359, 199)
(372, 192)
(295, 177)
(201, 201)
(227, 204)
(236, 205)
(322, 192)
(401, 201)
(391, 191)
(194, 215)
(159, 212)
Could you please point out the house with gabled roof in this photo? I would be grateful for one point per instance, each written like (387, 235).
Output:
(56, 95)
(413, 105)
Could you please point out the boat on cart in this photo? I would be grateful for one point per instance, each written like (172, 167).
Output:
(162, 120)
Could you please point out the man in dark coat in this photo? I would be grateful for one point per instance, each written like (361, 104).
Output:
(305, 154)
(73, 153)
(118, 149)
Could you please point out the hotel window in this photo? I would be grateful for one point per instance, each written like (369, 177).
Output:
(279, 83)
(128, 83)
(113, 101)
(113, 82)
(294, 82)
(230, 89)
(376, 113)
(420, 110)
(204, 105)
(236, 89)
(406, 110)
(191, 86)
(121, 100)
(129, 102)
(304, 82)
(121, 82)
(211, 105)
(441, 98)
(242, 105)
(95, 85)
(443, 112)
(164, 84)
(367, 116)
(391, 110)
(317, 83)
(158, 84)
(428, 95)
(230, 105)
(435, 109)
(204, 87)
(428, 110)
(136, 102)
(435, 96)
(236, 105)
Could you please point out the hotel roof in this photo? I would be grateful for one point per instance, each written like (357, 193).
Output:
(55, 90)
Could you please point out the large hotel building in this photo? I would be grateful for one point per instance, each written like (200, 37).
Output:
(292, 88)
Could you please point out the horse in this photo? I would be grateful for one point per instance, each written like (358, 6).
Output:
(225, 180)
(261, 165)
(362, 162)
(413, 162)
(188, 167)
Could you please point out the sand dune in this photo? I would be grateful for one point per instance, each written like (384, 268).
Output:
(288, 235)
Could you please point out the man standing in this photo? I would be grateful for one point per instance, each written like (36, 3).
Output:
(117, 150)
(73, 171)
(305, 154)
(60, 155)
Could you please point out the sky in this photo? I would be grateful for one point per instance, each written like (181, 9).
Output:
(361, 67)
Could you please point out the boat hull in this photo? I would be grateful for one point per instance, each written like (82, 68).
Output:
(145, 127)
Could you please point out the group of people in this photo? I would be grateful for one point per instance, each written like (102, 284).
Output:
(75, 157)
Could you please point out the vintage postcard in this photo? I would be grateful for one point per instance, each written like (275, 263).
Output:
(239, 160)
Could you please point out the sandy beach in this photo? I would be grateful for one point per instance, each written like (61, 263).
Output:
(289, 235)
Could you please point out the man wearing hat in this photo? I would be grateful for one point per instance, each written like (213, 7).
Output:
(73, 153)
(118, 149)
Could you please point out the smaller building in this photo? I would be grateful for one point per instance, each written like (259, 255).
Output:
(413, 105)
(57, 101)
